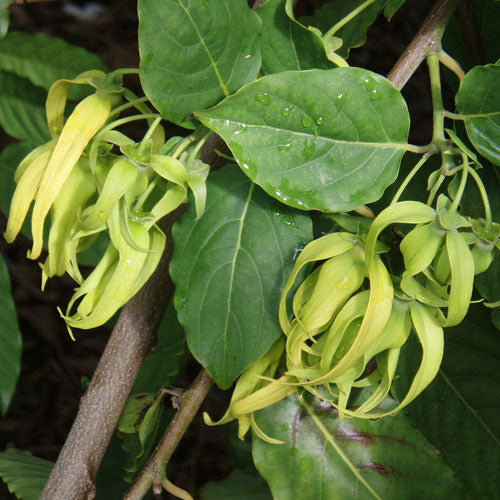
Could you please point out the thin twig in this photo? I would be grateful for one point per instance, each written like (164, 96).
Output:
(153, 471)
(427, 41)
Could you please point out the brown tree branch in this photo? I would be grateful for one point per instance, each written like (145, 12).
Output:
(154, 470)
(100, 407)
(427, 41)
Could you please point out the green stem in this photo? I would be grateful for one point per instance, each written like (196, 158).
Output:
(438, 137)
(463, 182)
(127, 105)
(148, 134)
(453, 116)
(451, 64)
(410, 176)
(126, 119)
(124, 71)
(484, 196)
(346, 19)
(198, 146)
(182, 146)
(434, 189)
(144, 196)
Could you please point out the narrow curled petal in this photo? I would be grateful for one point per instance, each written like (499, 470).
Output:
(323, 248)
(404, 212)
(462, 277)
(25, 192)
(85, 121)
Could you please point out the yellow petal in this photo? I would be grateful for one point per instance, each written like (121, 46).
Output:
(85, 121)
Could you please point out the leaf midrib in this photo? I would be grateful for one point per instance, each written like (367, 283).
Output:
(233, 265)
(204, 45)
(337, 448)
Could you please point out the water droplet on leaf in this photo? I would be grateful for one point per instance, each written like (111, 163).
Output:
(286, 110)
(340, 101)
(369, 83)
(307, 121)
(309, 149)
(375, 95)
(263, 98)
(285, 147)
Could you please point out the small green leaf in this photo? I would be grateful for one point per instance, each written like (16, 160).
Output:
(24, 474)
(193, 54)
(240, 485)
(10, 341)
(329, 140)
(353, 34)
(4, 17)
(329, 458)
(479, 100)
(22, 111)
(391, 7)
(287, 44)
(43, 59)
(229, 269)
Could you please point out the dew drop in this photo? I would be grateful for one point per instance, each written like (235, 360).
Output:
(320, 120)
(343, 284)
(309, 149)
(286, 110)
(369, 83)
(285, 147)
(240, 130)
(279, 194)
(226, 122)
(375, 95)
(263, 98)
(307, 121)
(340, 101)
(248, 56)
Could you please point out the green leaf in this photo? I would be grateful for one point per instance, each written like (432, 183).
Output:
(240, 485)
(479, 100)
(43, 59)
(329, 458)
(329, 140)
(286, 44)
(194, 53)
(22, 109)
(459, 411)
(391, 7)
(24, 474)
(4, 17)
(10, 341)
(353, 34)
(163, 363)
(229, 269)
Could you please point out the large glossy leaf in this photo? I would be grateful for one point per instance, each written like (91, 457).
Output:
(459, 412)
(353, 34)
(286, 44)
(328, 459)
(24, 474)
(162, 364)
(43, 59)
(240, 485)
(194, 53)
(229, 268)
(10, 341)
(328, 140)
(22, 109)
(479, 100)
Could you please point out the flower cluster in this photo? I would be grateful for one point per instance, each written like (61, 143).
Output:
(350, 317)
(93, 179)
